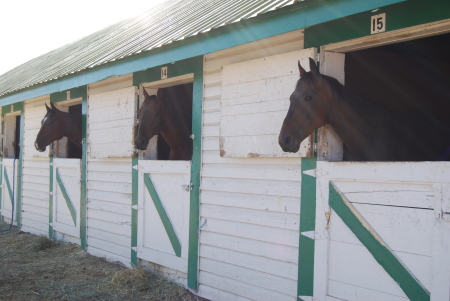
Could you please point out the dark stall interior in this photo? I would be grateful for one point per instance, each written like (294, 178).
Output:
(74, 151)
(412, 75)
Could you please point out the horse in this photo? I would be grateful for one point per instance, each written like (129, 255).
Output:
(168, 113)
(369, 130)
(56, 125)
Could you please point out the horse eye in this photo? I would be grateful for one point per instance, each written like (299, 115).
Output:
(308, 98)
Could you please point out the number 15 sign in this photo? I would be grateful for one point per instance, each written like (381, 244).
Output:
(378, 23)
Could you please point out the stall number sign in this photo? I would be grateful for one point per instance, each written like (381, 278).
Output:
(164, 72)
(378, 23)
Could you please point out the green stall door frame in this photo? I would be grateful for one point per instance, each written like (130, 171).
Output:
(79, 92)
(188, 66)
(17, 108)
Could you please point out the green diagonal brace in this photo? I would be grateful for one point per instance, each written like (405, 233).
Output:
(382, 254)
(66, 197)
(163, 215)
(9, 187)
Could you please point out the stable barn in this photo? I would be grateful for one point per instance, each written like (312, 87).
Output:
(242, 220)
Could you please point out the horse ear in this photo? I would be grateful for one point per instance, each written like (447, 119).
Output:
(313, 67)
(48, 109)
(145, 93)
(300, 68)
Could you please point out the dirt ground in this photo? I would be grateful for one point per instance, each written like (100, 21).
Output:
(37, 268)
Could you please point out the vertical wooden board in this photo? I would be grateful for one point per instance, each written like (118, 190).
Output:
(33, 114)
(258, 90)
(113, 107)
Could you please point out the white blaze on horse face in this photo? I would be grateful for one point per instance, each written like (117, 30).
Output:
(44, 120)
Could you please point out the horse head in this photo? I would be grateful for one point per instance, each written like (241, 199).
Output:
(51, 128)
(149, 120)
(308, 108)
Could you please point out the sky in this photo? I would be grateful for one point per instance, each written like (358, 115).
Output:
(29, 28)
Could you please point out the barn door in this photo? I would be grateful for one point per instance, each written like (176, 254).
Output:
(66, 196)
(9, 184)
(381, 231)
(163, 212)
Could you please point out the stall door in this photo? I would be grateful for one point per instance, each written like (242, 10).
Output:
(66, 196)
(9, 184)
(382, 231)
(163, 218)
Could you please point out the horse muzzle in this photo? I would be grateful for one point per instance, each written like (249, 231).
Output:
(39, 148)
(288, 144)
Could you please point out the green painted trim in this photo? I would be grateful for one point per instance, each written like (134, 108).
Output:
(11, 108)
(79, 92)
(305, 284)
(195, 66)
(8, 185)
(83, 193)
(176, 245)
(20, 172)
(134, 211)
(194, 210)
(66, 197)
(382, 254)
(398, 16)
(299, 16)
(50, 200)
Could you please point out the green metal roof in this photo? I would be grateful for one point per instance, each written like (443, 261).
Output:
(171, 21)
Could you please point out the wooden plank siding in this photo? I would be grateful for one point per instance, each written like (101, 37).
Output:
(36, 173)
(111, 108)
(249, 245)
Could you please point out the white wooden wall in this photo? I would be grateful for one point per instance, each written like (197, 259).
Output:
(249, 245)
(109, 179)
(36, 174)
(254, 102)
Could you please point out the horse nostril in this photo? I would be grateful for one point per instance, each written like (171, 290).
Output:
(287, 140)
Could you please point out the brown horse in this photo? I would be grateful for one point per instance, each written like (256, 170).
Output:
(56, 125)
(370, 131)
(168, 113)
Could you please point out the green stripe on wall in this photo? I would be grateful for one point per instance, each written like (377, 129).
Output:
(307, 223)
(50, 199)
(19, 173)
(176, 245)
(134, 211)
(388, 261)
(194, 211)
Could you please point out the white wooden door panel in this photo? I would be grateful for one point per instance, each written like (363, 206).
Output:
(9, 187)
(66, 196)
(399, 204)
(163, 214)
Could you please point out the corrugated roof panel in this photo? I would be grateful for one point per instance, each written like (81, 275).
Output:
(171, 21)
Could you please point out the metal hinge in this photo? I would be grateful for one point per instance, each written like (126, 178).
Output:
(315, 172)
(187, 187)
(315, 235)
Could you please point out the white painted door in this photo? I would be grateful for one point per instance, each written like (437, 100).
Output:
(66, 196)
(382, 231)
(163, 212)
(9, 184)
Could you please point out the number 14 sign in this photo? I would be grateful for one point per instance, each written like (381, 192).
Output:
(378, 23)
